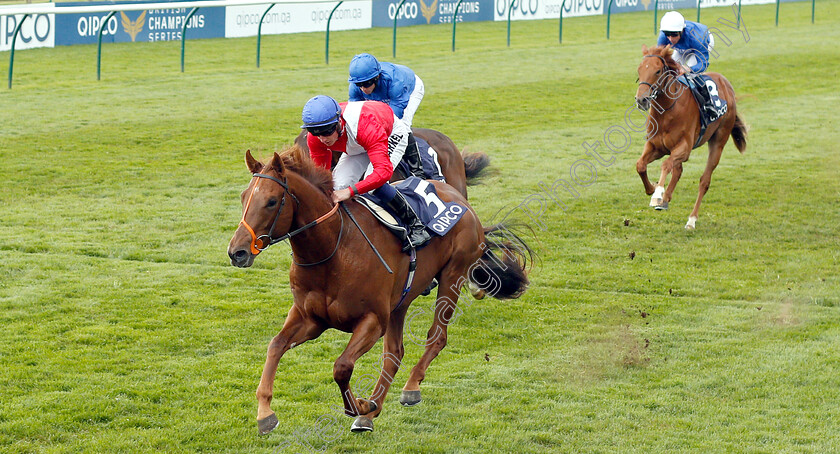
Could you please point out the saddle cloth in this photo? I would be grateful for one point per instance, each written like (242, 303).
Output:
(429, 160)
(437, 215)
(711, 111)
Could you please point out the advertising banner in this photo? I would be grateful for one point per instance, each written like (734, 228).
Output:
(626, 6)
(135, 26)
(38, 30)
(546, 9)
(296, 18)
(422, 12)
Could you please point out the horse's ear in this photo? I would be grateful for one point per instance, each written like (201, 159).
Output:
(253, 165)
(276, 163)
(644, 49)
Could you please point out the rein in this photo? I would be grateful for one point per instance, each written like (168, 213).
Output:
(262, 242)
(655, 90)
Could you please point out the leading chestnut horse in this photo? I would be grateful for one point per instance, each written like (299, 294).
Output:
(674, 126)
(338, 282)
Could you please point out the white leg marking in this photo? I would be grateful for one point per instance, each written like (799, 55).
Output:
(656, 198)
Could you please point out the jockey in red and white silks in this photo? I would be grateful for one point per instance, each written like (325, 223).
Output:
(370, 137)
(372, 140)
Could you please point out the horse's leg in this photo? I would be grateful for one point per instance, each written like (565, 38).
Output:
(445, 307)
(296, 330)
(392, 356)
(365, 335)
(672, 165)
(649, 155)
(715, 151)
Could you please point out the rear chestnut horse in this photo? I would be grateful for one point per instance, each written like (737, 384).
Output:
(674, 126)
(338, 282)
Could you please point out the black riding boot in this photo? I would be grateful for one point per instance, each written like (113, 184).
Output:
(412, 158)
(417, 234)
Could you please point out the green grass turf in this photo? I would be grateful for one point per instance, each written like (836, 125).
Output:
(125, 329)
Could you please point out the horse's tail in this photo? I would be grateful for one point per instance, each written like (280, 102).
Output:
(739, 133)
(474, 163)
(504, 277)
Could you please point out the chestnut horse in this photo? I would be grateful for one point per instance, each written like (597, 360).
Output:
(338, 282)
(458, 169)
(674, 126)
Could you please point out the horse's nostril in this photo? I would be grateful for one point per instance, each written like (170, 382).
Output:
(239, 256)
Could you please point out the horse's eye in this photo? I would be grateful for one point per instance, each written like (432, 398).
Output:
(271, 203)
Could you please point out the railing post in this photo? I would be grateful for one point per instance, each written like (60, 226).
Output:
(259, 33)
(102, 26)
(656, 16)
(184, 34)
(698, 10)
(12, 53)
(777, 13)
(396, 16)
(609, 12)
(813, 3)
(454, 22)
(510, 9)
(327, 45)
(739, 14)
(563, 5)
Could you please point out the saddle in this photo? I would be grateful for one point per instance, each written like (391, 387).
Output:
(705, 92)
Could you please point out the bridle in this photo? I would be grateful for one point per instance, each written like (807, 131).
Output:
(654, 89)
(262, 242)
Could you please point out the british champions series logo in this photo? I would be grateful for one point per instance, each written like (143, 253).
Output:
(428, 11)
(135, 27)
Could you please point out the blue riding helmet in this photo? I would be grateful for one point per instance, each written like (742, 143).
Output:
(320, 110)
(363, 67)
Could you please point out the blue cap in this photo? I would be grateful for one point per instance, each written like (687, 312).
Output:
(363, 67)
(320, 110)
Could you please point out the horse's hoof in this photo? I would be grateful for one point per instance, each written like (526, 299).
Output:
(371, 405)
(690, 224)
(362, 424)
(268, 423)
(410, 398)
(655, 202)
(661, 206)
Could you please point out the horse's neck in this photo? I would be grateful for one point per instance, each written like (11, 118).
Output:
(316, 242)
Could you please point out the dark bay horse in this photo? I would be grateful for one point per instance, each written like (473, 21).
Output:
(674, 126)
(458, 169)
(338, 282)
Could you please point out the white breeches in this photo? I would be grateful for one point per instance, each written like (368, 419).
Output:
(413, 101)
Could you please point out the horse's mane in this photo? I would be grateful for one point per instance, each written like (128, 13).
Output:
(297, 160)
(666, 53)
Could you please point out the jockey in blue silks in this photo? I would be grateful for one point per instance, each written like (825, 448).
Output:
(691, 41)
(395, 85)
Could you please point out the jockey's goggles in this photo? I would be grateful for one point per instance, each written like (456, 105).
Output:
(672, 34)
(366, 83)
(325, 130)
